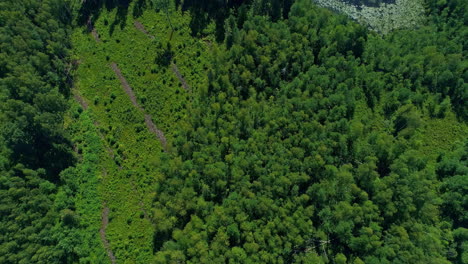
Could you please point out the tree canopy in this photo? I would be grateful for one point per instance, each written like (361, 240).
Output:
(301, 136)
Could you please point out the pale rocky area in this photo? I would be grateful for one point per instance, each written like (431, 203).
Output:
(383, 18)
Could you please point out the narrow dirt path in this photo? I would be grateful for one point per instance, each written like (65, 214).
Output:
(175, 69)
(93, 30)
(148, 119)
(152, 127)
(102, 232)
(95, 35)
(140, 27)
(81, 101)
(126, 86)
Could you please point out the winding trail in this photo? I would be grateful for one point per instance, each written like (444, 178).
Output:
(102, 232)
(95, 35)
(93, 30)
(153, 129)
(140, 27)
(126, 86)
(81, 101)
(175, 69)
(148, 119)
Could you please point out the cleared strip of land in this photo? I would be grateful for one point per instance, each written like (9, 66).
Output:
(140, 27)
(148, 119)
(102, 232)
(175, 69)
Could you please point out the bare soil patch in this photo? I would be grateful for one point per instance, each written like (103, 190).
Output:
(93, 31)
(102, 232)
(175, 69)
(95, 35)
(126, 86)
(81, 101)
(141, 27)
(153, 129)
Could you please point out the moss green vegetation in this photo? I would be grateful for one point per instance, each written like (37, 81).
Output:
(130, 168)
(81, 185)
(294, 135)
(35, 214)
(142, 61)
(317, 141)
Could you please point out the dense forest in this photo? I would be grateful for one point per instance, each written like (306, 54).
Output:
(257, 131)
(35, 80)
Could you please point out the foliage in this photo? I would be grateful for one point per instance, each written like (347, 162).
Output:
(281, 163)
(34, 149)
(298, 136)
(452, 170)
(128, 175)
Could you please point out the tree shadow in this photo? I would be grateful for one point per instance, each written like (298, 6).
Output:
(120, 17)
(138, 8)
(203, 12)
(91, 10)
(164, 57)
(48, 151)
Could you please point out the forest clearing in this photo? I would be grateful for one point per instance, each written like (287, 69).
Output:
(257, 131)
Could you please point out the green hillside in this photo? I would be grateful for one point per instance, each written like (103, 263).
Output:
(258, 131)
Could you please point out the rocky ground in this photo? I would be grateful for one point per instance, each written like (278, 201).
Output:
(382, 16)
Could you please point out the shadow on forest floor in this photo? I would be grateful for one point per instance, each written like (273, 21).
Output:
(91, 10)
(202, 13)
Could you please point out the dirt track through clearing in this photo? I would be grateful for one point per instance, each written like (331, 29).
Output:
(148, 119)
(81, 101)
(126, 86)
(93, 30)
(102, 232)
(152, 127)
(95, 35)
(105, 209)
(140, 27)
(149, 123)
(175, 69)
